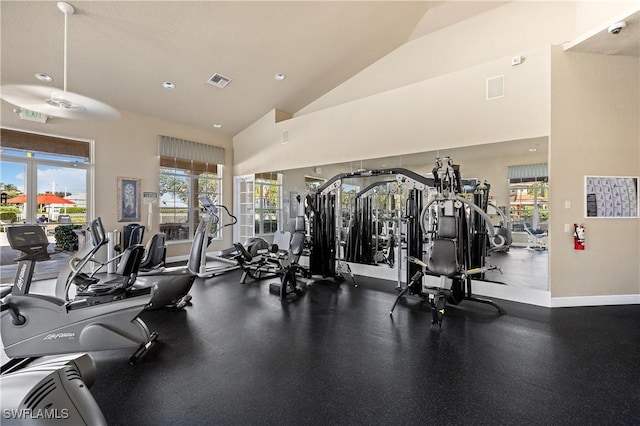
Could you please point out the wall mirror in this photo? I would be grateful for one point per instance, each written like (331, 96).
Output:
(516, 171)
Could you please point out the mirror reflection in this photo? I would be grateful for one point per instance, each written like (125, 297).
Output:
(370, 222)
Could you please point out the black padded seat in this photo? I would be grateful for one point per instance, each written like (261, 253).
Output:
(444, 252)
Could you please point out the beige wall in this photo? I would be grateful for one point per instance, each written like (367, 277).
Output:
(432, 98)
(511, 29)
(595, 130)
(439, 113)
(128, 148)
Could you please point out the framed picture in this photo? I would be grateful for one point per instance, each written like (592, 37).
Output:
(128, 199)
(611, 197)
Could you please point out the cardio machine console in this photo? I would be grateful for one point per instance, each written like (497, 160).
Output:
(31, 240)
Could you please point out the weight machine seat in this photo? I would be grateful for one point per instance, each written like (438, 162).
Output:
(282, 240)
(444, 252)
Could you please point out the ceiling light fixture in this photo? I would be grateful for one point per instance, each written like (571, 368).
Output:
(56, 103)
(280, 76)
(217, 125)
(43, 77)
(169, 85)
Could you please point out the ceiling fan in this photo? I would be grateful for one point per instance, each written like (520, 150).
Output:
(54, 102)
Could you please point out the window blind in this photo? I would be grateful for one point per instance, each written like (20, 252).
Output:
(189, 150)
(46, 144)
(528, 171)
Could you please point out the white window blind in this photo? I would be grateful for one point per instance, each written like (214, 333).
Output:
(528, 171)
(189, 150)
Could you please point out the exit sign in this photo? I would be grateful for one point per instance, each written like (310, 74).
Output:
(27, 114)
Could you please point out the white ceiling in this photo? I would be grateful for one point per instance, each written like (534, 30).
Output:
(120, 52)
(600, 40)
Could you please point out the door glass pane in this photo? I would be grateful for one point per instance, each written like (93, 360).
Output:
(50, 189)
(62, 195)
(245, 207)
(13, 183)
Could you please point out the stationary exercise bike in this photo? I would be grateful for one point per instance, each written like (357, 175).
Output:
(171, 285)
(101, 316)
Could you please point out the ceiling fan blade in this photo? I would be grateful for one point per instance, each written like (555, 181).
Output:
(57, 103)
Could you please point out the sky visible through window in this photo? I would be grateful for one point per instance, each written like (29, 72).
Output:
(50, 178)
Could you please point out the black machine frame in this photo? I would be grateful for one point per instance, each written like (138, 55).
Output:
(476, 233)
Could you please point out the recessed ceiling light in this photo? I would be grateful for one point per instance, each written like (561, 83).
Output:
(169, 85)
(280, 76)
(217, 125)
(44, 77)
(533, 149)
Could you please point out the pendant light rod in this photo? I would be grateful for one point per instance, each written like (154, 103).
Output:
(67, 9)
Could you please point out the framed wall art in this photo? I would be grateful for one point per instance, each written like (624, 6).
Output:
(611, 197)
(128, 199)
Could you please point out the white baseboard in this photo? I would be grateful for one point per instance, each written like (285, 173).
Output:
(499, 291)
(615, 299)
(515, 294)
(174, 259)
(382, 271)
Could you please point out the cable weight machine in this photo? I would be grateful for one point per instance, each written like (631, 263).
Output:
(459, 230)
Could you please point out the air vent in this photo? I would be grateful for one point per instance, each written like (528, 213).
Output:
(219, 81)
(39, 393)
(72, 374)
(495, 87)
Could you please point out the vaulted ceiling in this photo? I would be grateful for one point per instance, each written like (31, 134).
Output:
(121, 52)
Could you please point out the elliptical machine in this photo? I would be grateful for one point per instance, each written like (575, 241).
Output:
(96, 319)
(204, 264)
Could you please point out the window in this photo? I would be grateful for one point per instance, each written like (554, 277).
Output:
(181, 184)
(45, 177)
(311, 184)
(268, 203)
(188, 170)
(529, 196)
